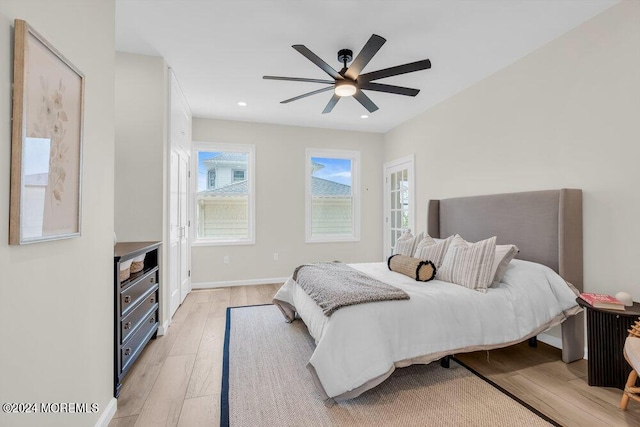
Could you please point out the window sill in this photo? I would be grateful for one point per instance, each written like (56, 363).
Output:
(332, 239)
(223, 243)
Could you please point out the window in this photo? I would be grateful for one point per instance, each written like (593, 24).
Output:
(224, 194)
(238, 175)
(332, 196)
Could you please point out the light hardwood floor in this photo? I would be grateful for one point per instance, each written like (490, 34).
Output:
(176, 380)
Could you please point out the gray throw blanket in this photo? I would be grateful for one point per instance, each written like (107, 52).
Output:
(334, 285)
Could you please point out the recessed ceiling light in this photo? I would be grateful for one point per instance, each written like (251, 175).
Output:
(364, 116)
(242, 104)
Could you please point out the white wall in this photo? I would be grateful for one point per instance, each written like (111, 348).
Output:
(280, 215)
(565, 116)
(141, 135)
(141, 172)
(56, 298)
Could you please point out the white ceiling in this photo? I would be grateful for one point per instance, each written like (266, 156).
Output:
(219, 50)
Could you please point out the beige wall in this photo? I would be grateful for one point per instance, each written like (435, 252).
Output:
(56, 298)
(280, 215)
(565, 116)
(141, 133)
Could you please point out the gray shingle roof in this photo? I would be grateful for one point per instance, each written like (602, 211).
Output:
(319, 187)
(228, 157)
(324, 187)
(235, 189)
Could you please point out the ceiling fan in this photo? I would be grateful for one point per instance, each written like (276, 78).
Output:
(348, 81)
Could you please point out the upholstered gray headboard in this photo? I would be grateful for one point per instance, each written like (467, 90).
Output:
(545, 225)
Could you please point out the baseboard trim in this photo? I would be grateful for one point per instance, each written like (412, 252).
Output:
(108, 413)
(556, 342)
(162, 329)
(229, 283)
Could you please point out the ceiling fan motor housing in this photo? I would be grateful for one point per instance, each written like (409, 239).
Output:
(345, 55)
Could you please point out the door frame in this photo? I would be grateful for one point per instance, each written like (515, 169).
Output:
(409, 161)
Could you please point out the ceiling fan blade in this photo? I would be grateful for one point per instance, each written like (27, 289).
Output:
(299, 79)
(324, 89)
(395, 71)
(372, 47)
(365, 101)
(317, 60)
(398, 90)
(332, 103)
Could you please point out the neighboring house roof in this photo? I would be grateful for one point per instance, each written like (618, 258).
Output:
(324, 187)
(235, 189)
(36, 179)
(227, 158)
(319, 187)
(315, 167)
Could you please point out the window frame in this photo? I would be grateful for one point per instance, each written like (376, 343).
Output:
(209, 173)
(354, 156)
(244, 175)
(250, 149)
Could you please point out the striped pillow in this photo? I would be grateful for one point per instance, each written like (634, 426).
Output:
(406, 244)
(430, 250)
(469, 264)
(504, 255)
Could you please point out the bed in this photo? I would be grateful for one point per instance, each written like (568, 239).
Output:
(359, 346)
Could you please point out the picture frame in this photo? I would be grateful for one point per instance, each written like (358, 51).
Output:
(46, 141)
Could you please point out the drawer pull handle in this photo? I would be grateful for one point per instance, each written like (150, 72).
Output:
(127, 351)
(152, 300)
(127, 299)
(127, 325)
(152, 279)
(152, 320)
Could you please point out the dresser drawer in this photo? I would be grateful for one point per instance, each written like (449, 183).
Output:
(130, 349)
(134, 293)
(129, 324)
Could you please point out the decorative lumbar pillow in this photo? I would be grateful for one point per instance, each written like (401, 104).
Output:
(504, 255)
(419, 270)
(469, 264)
(431, 250)
(406, 243)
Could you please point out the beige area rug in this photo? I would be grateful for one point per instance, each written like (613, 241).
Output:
(266, 383)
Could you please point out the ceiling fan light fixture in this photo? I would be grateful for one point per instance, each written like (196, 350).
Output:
(350, 81)
(345, 88)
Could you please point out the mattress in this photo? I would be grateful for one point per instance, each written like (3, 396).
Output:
(360, 346)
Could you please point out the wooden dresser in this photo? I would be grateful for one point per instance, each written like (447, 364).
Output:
(136, 302)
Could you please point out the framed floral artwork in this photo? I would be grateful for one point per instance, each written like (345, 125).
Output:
(46, 141)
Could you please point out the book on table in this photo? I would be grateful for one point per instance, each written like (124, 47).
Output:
(602, 301)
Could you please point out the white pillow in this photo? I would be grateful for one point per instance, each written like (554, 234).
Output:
(406, 244)
(469, 264)
(433, 250)
(504, 255)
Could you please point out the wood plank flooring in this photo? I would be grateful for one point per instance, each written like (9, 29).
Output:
(176, 380)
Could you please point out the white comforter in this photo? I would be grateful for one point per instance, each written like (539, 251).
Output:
(364, 342)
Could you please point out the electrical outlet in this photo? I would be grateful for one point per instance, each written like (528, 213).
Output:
(275, 256)
(226, 259)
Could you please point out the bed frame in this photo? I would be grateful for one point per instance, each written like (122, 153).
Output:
(545, 225)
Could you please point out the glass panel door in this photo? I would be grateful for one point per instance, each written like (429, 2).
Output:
(398, 201)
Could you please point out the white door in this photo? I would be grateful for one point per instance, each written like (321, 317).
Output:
(179, 285)
(399, 210)
(184, 273)
(174, 234)
(179, 151)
